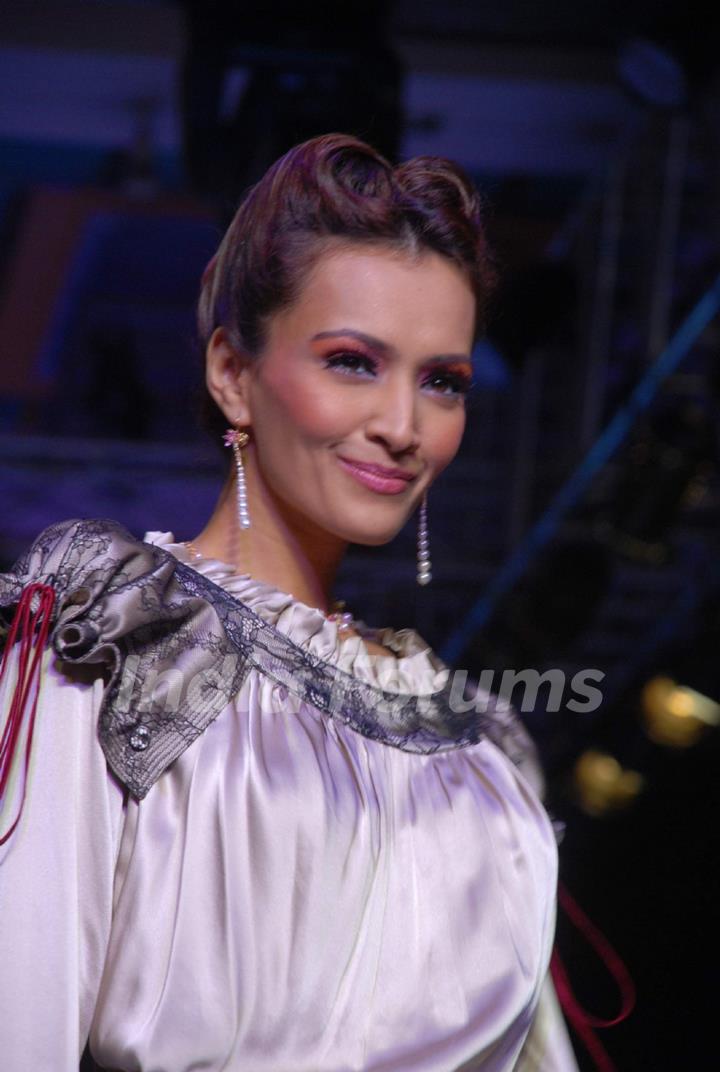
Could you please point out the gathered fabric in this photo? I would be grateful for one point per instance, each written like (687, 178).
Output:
(293, 856)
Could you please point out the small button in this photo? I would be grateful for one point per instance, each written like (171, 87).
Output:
(318, 698)
(140, 739)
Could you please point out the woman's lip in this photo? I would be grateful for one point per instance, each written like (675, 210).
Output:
(381, 470)
(377, 478)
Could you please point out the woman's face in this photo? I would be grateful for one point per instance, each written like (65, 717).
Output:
(356, 403)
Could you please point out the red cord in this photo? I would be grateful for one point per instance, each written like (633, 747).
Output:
(34, 630)
(581, 1020)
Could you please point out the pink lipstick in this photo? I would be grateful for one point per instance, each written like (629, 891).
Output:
(377, 477)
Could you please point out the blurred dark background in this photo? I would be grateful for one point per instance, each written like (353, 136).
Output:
(578, 529)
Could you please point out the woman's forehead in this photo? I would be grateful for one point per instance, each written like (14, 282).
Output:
(362, 287)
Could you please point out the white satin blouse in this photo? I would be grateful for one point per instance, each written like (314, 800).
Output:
(290, 896)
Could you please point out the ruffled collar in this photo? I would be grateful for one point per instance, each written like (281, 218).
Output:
(146, 617)
(412, 668)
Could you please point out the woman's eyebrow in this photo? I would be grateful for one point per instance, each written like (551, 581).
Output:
(369, 340)
(383, 347)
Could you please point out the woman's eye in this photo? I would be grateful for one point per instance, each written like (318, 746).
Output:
(350, 362)
(448, 383)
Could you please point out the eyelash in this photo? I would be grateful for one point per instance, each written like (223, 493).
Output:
(460, 384)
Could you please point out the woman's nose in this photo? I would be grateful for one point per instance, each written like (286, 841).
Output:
(395, 417)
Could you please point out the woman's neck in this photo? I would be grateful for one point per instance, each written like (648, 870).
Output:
(280, 548)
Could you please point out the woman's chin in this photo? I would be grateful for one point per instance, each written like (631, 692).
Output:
(375, 536)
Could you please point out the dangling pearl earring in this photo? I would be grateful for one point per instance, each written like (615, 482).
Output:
(424, 576)
(237, 439)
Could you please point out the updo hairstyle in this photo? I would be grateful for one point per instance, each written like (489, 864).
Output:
(331, 188)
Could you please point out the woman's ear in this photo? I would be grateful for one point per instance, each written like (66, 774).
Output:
(227, 373)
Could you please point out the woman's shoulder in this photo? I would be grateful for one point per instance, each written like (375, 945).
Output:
(73, 558)
(117, 604)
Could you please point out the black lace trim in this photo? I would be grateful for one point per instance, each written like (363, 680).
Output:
(178, 648)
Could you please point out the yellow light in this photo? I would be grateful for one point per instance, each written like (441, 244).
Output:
(674, 715)
(679, 703)
(602, 784)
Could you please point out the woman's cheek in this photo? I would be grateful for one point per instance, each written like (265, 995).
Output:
(446, 442)
(321, 413)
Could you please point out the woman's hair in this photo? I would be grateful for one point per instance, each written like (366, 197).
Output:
(331, 188)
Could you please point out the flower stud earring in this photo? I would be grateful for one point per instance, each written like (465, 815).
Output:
(424, 575)
(237, 439)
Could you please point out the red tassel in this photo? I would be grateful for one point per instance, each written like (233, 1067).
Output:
(581, 1020)
(33, 630)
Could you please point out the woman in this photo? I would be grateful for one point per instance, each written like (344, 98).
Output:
(256, 835)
